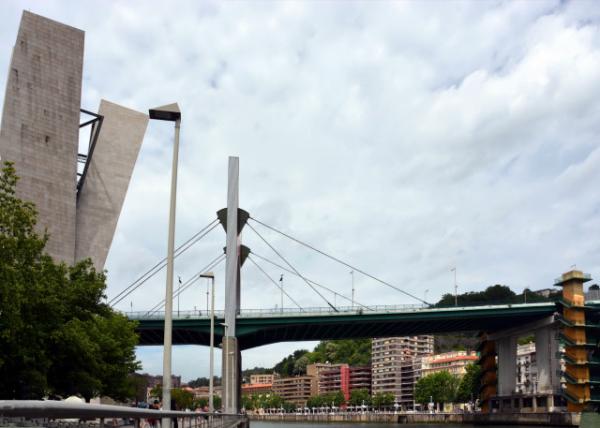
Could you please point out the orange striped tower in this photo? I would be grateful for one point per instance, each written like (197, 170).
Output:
(576, 343)
(489, 375)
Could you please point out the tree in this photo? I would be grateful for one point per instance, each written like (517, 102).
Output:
(360, 396)
(337, 398)
(468, 389)
(286, 366)
(383, 399)
(204, 381)
(217, 402)
(56, 335)
(440, 386)
(156, 391)
(316, 401)
(183, 399)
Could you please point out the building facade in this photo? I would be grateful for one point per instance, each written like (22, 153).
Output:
(345, 379)
(396, 365)
(526, 369)
(454, 362)
(262, 378)
(316, 369)
(295, 390)
(256, 388)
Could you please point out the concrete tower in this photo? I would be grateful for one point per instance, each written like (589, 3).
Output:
(40, 134)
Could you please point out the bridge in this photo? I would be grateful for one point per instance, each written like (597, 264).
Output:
(263, 327)
(573, 322)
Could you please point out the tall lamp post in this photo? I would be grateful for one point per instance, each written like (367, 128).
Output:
(211, 407)
(169, 113)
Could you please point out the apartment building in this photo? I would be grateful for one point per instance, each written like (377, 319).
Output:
(396, 365)
(262, 378)
(316, 369)
(526, 369)
(454, 362)
(345, 379)
(256, 388)
(296, 390)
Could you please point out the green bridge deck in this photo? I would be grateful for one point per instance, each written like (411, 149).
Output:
(262, 328)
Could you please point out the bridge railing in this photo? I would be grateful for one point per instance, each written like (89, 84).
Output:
(316, 311)
(60, 413)
(263, 313)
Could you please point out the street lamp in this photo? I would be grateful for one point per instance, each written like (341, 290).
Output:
(211, 276)
(169, 113)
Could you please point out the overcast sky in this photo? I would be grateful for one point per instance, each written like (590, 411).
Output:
(405, 138)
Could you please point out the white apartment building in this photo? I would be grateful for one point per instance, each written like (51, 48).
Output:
(526, 369)
(396, 366)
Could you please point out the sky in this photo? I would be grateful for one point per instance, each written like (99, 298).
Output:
(406, 138)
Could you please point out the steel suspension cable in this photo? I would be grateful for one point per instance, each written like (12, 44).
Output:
(161, 264)
(274, 282)
(311, 281)
(292, 267)
(339, 261)
(189, 282)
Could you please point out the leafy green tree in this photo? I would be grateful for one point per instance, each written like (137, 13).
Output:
(200, 403)
(316, 401)
(383, 399)
(156, 391)
(286, 366)
(359, 396)
(356, 352)
(56, 334)
(441, 386)
(183, 399)
(469, 384)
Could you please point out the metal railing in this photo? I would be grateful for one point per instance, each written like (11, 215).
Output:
(278, 312)
(62, 414)
(317, 311)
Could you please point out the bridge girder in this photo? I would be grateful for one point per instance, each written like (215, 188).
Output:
(258, 331)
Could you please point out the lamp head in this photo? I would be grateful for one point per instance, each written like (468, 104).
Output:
(168, 112)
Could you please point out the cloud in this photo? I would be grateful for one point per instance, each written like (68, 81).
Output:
(401, 138)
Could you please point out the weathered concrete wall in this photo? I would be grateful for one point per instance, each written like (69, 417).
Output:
(105, 186)
(40, 124)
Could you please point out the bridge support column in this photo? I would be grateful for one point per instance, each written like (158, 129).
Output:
(489, 375)
(507, 365)
(546, 350)
(231, 374)
(231, 355)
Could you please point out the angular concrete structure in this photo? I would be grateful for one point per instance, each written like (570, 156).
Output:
(103, 191)
(40, 124)
(40, 134)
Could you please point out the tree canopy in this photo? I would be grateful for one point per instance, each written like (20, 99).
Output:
(358, 397)
(355, 352)
(468, 389)
(56, 334)
(441, 387)
(495, 294)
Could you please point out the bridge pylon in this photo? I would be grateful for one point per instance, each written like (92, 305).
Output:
(233, 220)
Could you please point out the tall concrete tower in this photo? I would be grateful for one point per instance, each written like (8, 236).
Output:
(40, 133)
